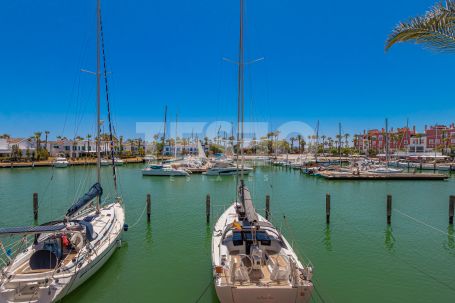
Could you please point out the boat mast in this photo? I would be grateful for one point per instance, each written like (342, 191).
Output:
(163, 139)
(98, 99)
(175, 142)
(240, 101)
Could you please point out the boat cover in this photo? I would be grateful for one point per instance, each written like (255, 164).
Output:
(247, 203)
(31, 229)
(94, 192)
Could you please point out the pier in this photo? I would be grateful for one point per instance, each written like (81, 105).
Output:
(333, 175)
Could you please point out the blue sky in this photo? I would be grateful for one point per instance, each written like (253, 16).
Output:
(324, 60)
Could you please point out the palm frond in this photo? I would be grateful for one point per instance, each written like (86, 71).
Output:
(435, 30)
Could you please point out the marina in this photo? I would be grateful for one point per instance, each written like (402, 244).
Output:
(417, 248)
(288, 167)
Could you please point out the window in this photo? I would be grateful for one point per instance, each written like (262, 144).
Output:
(67, 147)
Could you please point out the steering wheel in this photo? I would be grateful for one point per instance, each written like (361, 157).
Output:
(243, 265)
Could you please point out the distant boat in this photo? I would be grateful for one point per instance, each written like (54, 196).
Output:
(385, 170)
(61, 162)
(226, 169)
(107, 162)
(118, 162)
(163, 170)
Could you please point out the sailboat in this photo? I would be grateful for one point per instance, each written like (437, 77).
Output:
(63, 254)
(251, 259)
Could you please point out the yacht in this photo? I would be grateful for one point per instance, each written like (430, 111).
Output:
(61, 162)
(226, 169)
(61, 255)
(163, 170)
(385, 170)
(252, 260)
(118, 162)
(51, 260)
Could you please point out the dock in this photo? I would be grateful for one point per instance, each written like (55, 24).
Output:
(71, 163)
(333, 175)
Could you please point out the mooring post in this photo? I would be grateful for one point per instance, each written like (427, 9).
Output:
(207, 208)
(267, 207)
(149, 207)
(327, 208)
(389, 209)
(35, 206)
(451, 207)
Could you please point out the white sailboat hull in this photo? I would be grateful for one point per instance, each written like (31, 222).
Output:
(252, 293)
(61, 164)
(52, 286)
(230, 171)
(169, 173)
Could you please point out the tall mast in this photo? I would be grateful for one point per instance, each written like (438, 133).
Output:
(163, 139)
(240, 101)
(175, 142)
(98, 99)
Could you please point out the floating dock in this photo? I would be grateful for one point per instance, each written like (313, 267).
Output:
(333, 175)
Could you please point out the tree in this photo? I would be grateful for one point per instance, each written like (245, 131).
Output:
(435, 30)
(46, 132)
(292, 139)
(323, 142)
(5, 136)
(37, 137)
(299, 141)
(346, 139)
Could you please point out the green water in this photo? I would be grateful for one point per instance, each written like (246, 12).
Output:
(357, 259)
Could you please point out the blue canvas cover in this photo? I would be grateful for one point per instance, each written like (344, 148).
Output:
(94, 192)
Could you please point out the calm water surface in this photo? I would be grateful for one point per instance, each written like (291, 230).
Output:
(357, 259)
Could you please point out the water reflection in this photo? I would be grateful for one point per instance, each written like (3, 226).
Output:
(450, 246)
(389, 241)
(327, 238)
(148, 234)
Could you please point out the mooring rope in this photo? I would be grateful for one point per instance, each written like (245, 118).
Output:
(140, 217)
(422, 223)
(205, 290)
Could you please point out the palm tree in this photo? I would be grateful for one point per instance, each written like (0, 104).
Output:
(346, 139)
(299, 140)
(46, 132)
(434, 30)
(292, 139)
(323, 142)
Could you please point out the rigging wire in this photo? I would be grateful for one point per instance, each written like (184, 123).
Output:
(108, 106)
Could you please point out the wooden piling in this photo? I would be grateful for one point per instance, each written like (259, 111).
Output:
(35, 206)
(267, 207)
(389, 209)
(149, 208)
(451, 209)
(327, 208)
(207, 208)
